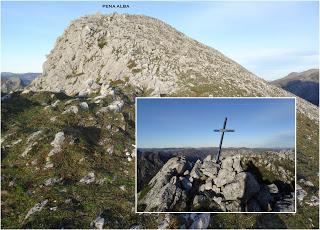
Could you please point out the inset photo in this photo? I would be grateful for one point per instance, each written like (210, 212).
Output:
(215, 155)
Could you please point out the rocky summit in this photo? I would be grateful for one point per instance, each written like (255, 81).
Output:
(68, 139)
(147, 53)
(234, 185)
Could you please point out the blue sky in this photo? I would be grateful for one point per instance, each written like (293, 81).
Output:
(271, 39)
(266, 123)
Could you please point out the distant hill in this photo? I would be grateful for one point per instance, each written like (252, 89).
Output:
(14, 81)
(304, 84)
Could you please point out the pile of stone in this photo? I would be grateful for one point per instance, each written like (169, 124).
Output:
(208, 186)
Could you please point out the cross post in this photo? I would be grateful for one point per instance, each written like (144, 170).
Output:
(222, 131)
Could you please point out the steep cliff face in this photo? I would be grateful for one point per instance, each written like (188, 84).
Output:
(147, 53)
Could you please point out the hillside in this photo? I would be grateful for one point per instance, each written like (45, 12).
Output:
(16, 81)
(304, 84)
(67, 140)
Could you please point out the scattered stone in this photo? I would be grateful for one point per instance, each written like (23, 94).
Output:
(72, 109)
(12, 183)
(97, 223)
(34, 136)
(300, 193)
(314, 201)
(52, 181)
(30, 141)
(53, 119)
(84, 106)
(53, 208)
(16, 142)
(83, 93)
(37, 208)
(306, 183)
(56, 143)
(88, 179)
(116, 106)
(55, 104)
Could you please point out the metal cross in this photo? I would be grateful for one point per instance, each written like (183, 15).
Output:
(222, 131)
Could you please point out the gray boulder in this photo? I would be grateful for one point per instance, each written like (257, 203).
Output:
(196, 172)
(225, 176)
(237, 164)
(272, 188)
(209, 168)
(243, 187)
(84, 106)
(227, 163)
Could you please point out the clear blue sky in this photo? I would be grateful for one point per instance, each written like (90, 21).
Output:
(271, 39)
(266, 123)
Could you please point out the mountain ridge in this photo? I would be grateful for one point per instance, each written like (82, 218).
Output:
(303, 84)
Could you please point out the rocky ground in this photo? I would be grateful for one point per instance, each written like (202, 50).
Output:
(236, 184)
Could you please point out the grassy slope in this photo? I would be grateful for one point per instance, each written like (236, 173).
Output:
(77, 204)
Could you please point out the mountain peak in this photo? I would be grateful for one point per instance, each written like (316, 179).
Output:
(147, 54)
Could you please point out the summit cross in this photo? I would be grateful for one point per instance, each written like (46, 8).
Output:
(222, 131)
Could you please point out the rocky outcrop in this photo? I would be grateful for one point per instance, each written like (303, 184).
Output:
(166, 192)
(208, 186)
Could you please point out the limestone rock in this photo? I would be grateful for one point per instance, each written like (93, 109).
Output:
(196, 172)
(116, 106)
(98, 223)
(224, 177)
(72, 109)
(84, 106)
(209, 168)
(244, 187)
(88, 179)
(37, 208)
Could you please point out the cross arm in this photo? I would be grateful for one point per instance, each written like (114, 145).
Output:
(224, 130)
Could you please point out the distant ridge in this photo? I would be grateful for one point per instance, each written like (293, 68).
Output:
(304, 84)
